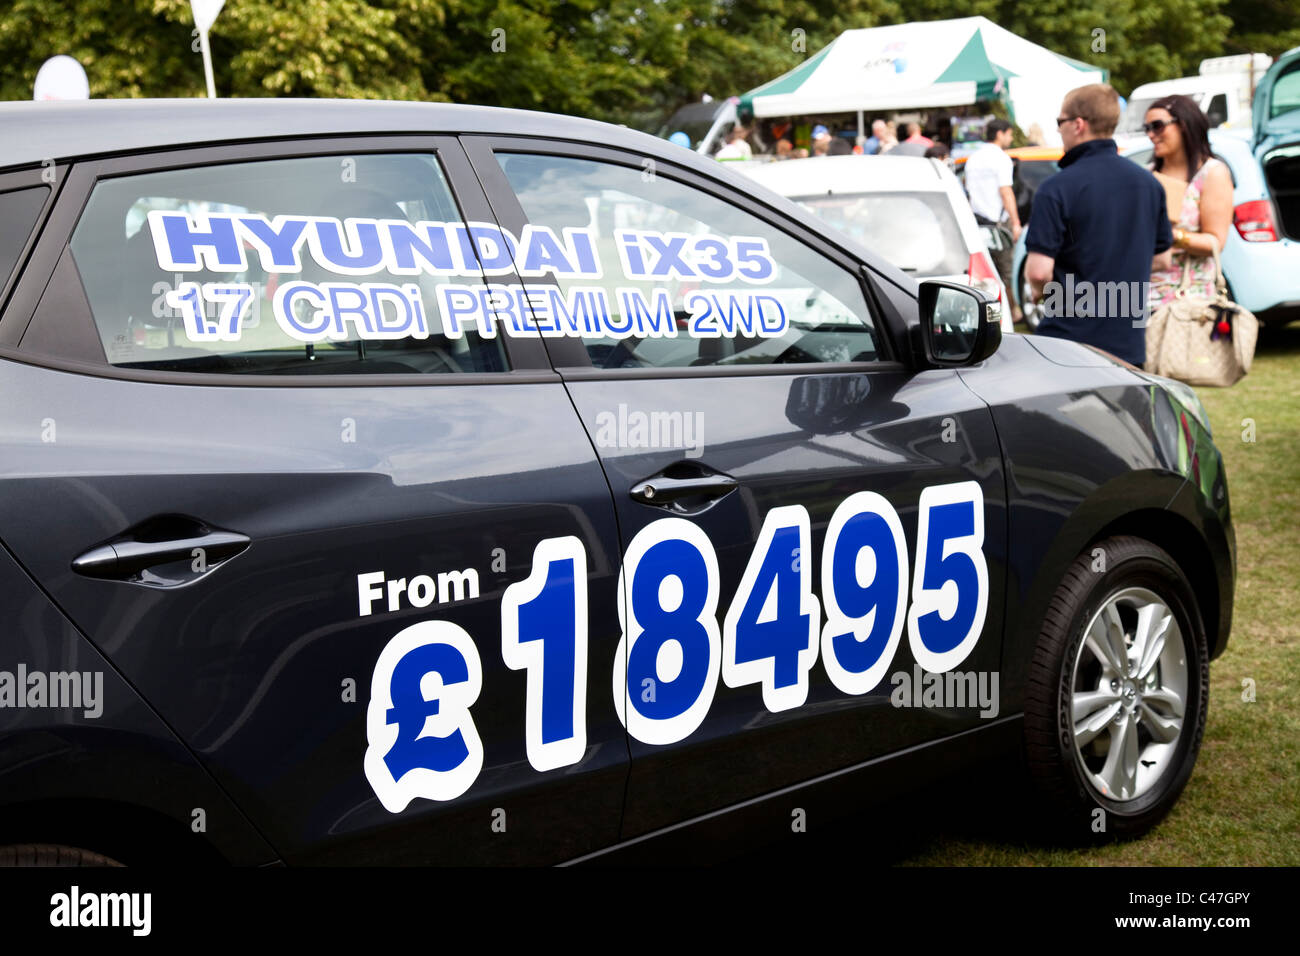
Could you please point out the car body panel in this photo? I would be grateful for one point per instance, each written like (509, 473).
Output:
(1081, 405)
(68, 771)
(260, 667)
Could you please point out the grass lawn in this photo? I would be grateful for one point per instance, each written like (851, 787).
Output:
(1242, 805)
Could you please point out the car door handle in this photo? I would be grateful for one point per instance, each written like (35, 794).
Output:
(680, 482)
(127, 556)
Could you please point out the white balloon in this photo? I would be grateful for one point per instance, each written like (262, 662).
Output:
(61, 78)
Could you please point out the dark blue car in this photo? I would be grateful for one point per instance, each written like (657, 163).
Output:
(409, 483)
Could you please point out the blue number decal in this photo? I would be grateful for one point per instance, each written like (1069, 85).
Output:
(864, 585)
(544, 631)
(950, 584)
(666, 666)
(769, 636)
(422, 741)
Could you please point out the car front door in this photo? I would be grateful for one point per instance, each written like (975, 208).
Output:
(343, 549)
(787, 489)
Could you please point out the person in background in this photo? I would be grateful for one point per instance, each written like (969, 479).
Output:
(737, 146)
(784, 149)
(890, 139)
(872, 145)
(915, 135)
(1100, 220)
(840, 147)
(1180, 141)
(989, 174)
(939, 151)
(821, 140)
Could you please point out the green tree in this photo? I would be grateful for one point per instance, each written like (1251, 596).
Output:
(621, 60)
(1263, 26)
(128, 47)
(131, 48)
(1136, 42)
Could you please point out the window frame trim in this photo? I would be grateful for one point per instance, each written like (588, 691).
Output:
(12, 181)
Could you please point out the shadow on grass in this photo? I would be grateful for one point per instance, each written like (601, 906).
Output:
(1279, 340)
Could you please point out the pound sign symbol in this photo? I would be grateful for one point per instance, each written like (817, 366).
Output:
(422, 739)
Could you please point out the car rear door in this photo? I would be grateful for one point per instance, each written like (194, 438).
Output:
(324, 534)
(765, 481)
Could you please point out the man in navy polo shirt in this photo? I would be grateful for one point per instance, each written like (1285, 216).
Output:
(1098, 227)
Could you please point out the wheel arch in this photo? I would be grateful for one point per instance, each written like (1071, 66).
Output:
(131, 834)
(126, 795)
(1155, 505)
(1176, 535)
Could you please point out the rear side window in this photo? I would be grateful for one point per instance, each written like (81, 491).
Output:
(296, 266)
(19, 210)
(915, 231)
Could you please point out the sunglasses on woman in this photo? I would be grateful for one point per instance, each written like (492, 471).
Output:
(1155, 126)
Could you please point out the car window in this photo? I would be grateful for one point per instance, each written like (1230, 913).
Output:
(1028, 175)
(916, 231)
(678, 277)
(19, 209)
(1285, 95)
(1135, 116)
(322, 264)
(1217, 112)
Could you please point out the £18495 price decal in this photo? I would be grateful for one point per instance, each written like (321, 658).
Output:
(422, 741)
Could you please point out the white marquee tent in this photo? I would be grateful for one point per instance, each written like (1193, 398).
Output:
(927, 65)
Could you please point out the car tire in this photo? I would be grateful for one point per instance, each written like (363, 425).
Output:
(51, 854)
(1105, 742)
(1030, 311)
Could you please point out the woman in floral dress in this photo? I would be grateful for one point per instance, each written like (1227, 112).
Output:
(1179, 134)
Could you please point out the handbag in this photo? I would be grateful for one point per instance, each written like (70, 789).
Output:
(1199, 340)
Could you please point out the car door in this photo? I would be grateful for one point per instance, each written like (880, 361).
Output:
(787, 488)
(322, 532)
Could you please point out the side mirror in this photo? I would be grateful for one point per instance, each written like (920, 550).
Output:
(957, 326)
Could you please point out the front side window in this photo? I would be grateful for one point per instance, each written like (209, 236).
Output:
(322, 264)
(653, 273)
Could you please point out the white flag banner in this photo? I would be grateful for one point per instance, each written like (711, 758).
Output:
(205, 13)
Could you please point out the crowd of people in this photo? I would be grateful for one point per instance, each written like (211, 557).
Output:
(1101, 220)
(883, 140)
